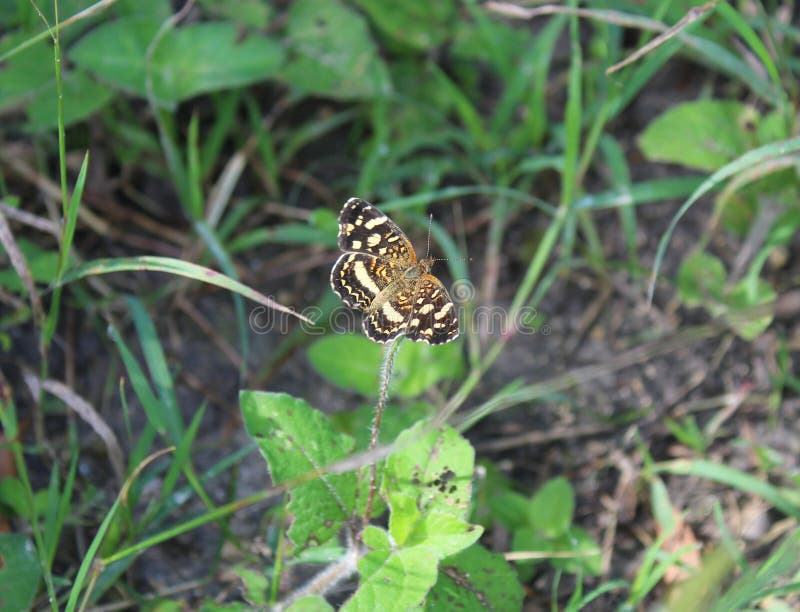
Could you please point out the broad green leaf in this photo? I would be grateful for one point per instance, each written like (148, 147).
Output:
(297, 440)
(26, 74)
(434, 467)
(20, 572)
(440, 533)
(42, 264)
(312, 603)
(399, 580)
(475, 579)
(552, 507)
(510, 508)
(254, 13)
(417, 367)
(402, 570)
(418, 24)
(701, 279)
(332, 53)
(186, 61)
(357, 423)
(83, 96)
(705, 134)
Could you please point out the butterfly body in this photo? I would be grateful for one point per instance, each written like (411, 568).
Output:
(379, 274)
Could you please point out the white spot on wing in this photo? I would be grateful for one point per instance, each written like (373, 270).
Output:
(443, 312)
(373, 223)
(373, 239)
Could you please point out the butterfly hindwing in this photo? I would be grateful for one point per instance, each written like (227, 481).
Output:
(433, 319)
(390, 318)
(358, 278)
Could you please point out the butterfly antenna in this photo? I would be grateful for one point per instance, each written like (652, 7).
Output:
(430, 225)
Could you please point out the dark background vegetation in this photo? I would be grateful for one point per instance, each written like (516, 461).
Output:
(230, 134)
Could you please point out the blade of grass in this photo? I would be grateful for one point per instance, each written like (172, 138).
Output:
(89, 558)
(65, 243)
(744, 162)
(159, 371)
(194, 186)
(179, 268)
(732, 477)
(217, 250)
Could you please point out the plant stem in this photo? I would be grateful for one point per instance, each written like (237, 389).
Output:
(389, 353)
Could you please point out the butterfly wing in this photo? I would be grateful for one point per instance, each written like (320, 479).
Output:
(389, 319)
(358, 278)
(365, 229)
(433, 318)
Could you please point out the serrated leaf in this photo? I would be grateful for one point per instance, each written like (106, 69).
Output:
(417, 367)
(440, 533)
(20, 572)
(296, 440)
(400, 580)
(475, 579)
(434, 467)
(552, 507)
(701, 279)
(333, 53)
(704, 134)
(187, 61)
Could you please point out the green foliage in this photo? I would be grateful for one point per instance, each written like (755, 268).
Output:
(540, 524)
(426, 485)
(305, 101)
(185, 62)
(418, 366)
(332, 53)
(20, 572)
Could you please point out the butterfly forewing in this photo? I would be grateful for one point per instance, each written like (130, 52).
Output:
(365, 229)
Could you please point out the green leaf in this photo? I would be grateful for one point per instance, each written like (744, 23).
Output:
(705, 134)
(20, 572)
(359, 372)
(440, 533)
(403, 578)
(332, 53)
(357, 423)
(749, 307)
(82, 96)
(256, 586)
(13, 496)
(25, 74)
(312, 603)
(587, 557)
(43, 265)
(418, 366)
(510, 508)
(418, 24)
(552, 507)
(296, 440)
(701, 279)
(475, 579)
(433, 467)
(254, 13)
(187, 61)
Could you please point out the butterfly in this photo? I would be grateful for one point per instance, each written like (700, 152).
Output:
(379, 274)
